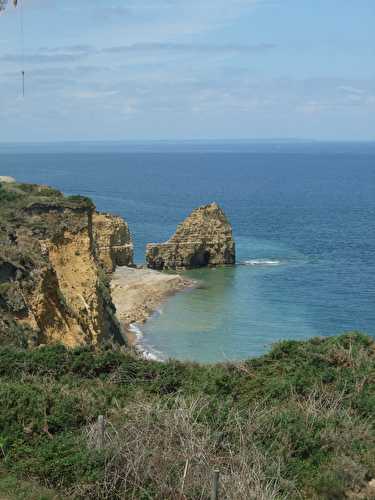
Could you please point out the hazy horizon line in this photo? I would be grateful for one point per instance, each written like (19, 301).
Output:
(274, 140)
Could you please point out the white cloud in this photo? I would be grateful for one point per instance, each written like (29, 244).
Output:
(166, 20)
(351, 90)
(94, 94)
(190, 48)
(312, 108)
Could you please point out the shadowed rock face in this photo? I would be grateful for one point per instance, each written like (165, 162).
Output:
(203, 239)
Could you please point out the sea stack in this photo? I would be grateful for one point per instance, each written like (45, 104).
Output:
(113, 241)
(204, 239)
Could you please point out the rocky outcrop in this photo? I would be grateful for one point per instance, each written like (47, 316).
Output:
(203, 239)
(113, 241)
(6, 179)
(52, 286)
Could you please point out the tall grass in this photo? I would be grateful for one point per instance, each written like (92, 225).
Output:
(150, 445)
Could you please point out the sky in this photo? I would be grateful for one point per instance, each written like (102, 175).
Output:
(187, 69)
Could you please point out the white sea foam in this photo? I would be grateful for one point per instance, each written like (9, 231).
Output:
(146, 353)
(262, 262)
(134, 328)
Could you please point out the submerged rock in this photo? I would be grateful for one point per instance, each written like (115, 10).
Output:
(113, 241)
(204, 239)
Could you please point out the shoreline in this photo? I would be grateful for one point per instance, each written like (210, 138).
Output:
(138, 293)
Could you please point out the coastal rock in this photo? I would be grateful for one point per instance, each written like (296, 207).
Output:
(113, 241)
(6, 179)
(203, 239)
(52, 287)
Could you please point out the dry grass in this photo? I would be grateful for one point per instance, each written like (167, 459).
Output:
(166, 450)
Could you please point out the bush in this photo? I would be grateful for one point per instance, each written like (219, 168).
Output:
(59, 462)
(296, 423)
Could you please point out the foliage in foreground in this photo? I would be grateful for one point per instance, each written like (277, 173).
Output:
(296, 423)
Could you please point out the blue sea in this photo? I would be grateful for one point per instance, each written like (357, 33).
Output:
(303, 216)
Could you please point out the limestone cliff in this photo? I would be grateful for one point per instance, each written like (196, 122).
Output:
(113, 241)
(52, 286)
(6, 179)
(203, 239)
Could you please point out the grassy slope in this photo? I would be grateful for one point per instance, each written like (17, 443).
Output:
(296, 423)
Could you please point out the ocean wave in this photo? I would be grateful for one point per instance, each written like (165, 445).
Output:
(261, 262)
(134, 328)
(145, 352)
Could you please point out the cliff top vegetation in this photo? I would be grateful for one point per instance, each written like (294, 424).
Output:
(295, 423)
(26, 207)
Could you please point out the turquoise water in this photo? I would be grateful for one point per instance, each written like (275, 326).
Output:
(232, 308)
(302, 215)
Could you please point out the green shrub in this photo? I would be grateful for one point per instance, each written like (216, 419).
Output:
(297, 422)
(57, 462)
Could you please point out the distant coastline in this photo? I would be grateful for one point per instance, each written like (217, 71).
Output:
(264, 146)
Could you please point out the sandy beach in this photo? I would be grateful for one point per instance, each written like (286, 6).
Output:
(137, 293)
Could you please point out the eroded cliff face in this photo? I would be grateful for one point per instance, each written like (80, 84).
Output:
(204, 239)
(52, 286)
(113, 240)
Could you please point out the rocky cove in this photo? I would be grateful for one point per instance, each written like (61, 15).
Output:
(296, 422)
(67, 273)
